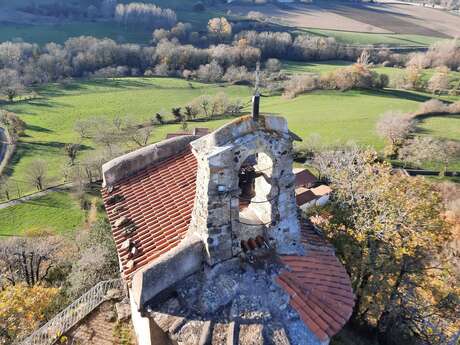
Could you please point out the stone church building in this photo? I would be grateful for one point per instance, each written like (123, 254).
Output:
(212, 246)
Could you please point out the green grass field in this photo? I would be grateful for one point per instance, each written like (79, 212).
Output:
(352, 37)
(336, 116)
(56, 212)
(293, 67)
(59, 33)
(42, 33)
(445, 127)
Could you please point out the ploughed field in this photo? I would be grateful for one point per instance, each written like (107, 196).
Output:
(363, 23)
(367, 23)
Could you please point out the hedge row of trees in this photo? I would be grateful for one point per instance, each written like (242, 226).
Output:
(25, 64)
(398, 130)
(356, 76)
(442, 53)
(146, 15)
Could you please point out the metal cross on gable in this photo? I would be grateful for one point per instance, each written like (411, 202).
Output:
(256, 86)
(256, 97)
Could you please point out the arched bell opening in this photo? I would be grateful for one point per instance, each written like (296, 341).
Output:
(256, 190)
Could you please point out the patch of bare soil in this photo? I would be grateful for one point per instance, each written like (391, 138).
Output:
(362, 17)
(309, 16)
(436, 19)
(398, 18)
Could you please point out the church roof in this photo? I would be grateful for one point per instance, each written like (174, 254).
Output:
(156, 203)
(318, 285)
(150, 212)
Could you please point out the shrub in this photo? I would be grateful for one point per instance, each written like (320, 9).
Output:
(97, 260)
(454, 108)
(433, 106)
(299, 84)
(211, 72)
(237, 74)
(273, 65)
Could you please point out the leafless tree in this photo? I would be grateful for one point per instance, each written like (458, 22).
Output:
(71, 151)
(10, 83)
(349, 160)
(394, 126)
(28, 260)
(36, 173)
(430, 150)
(433, 106)
(439, 82)
(83, 128)
(365, 58)
(273, 65)
(106, 135)
(140, 136)
(210, 72)
(419, 150)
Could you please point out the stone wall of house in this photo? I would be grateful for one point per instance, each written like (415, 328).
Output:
(216, 212)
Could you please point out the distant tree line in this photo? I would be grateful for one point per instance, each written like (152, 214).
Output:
(216, 56)
(147, 15)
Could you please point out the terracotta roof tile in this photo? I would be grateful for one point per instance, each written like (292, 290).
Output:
(304, 195)
(159, 201)
(318, 285)
(304, 178)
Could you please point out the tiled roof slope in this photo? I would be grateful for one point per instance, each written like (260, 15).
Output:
(158, 201)
(304, 178)
(318, 286)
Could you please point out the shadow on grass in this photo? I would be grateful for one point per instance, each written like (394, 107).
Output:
(79, 86)
(419, 129)
(45, 202)
(401, 94)
(38, 150)
(36, 128)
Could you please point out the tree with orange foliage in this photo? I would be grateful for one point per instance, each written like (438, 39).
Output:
(22, 309)
(390, 231)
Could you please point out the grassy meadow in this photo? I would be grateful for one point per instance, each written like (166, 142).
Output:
(51, 117)
(58, 31)
(56, 212)
(390, 39)
(322, 67)
(337, 117)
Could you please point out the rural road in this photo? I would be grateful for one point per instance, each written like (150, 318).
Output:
(3, 144)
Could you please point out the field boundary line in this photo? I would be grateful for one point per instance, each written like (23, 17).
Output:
(31, 196)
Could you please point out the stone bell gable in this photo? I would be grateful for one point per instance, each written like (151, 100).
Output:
(266, 143)
(211, 245)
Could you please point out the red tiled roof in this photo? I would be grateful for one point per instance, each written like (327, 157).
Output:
(304, 195)
(176, 134)
(198, 131)
(304, 178)
(158, 201)
(318, 286)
